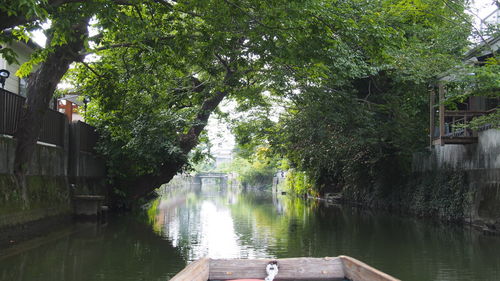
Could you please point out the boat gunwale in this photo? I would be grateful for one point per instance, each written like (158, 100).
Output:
(305, 268)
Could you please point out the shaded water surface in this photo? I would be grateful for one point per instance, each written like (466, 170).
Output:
(227, 223)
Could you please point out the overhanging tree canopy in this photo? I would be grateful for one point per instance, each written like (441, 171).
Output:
(162, 67)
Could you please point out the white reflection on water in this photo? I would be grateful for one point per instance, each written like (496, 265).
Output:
(203, 229)
(218, 238)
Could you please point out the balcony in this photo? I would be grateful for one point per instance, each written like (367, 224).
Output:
(449, 126)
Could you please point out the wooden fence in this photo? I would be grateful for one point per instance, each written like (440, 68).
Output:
(88, 137)
(10, 111)
(53, 126)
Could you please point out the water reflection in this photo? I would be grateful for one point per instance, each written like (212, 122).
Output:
(223, 222)
(203, 225)
(124, 250)
(229, 223)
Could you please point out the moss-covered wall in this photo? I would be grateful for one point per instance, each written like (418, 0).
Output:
(47, 196)
(458, 183)
(468, 176)
(443, 194)
(49, 187)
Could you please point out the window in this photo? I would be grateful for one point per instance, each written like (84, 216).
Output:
(23, 86)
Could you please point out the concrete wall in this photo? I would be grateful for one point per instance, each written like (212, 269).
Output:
(480, 163)
(483, 155)
(86, 171)
(50, 185)
(47, 185)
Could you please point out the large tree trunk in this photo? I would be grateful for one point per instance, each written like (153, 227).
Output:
(41, 87)
(146, 184)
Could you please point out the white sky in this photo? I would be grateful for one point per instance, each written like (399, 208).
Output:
(219, 134)
(482, 8)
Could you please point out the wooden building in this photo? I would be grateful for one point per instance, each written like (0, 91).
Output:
(447, 120)
(14, 83)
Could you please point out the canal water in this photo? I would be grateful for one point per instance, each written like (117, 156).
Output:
(221, 222)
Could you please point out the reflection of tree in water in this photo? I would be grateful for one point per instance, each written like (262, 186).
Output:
(124, 250)
(408, 248)
(255, 225)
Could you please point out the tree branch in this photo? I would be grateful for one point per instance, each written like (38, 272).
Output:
(113, 46)
(10, 21)
(479, 33)
(123, 45)
(90, 68)
(224, 63)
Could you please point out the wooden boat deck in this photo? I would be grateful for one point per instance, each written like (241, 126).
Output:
(292, 269)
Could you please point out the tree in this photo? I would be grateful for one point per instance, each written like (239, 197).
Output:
(355, 132)
(67, 38)
(162, 67)
(164, 70)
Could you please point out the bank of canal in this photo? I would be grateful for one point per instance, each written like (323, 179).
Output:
(227, 223)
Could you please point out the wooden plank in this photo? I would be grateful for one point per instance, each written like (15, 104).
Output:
(89, 197)
(358, 271)
(432, 115)
(293, 268)
(462, 113)
(441, 110)
(459, 140)
(195, 271)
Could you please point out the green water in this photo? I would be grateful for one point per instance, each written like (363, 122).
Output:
(228, 223)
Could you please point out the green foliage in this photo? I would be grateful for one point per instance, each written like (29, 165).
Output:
(357, 129)
(252, 132)
(351, 74)
(160, 64)
(492, 119)
(478, 80)
(353, 141)
(298, 183)
(26, 8)
(445, 195)
(208, 165)
(255, 171)
(33, 15)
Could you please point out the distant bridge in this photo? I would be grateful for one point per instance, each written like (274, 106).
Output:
(211, 175)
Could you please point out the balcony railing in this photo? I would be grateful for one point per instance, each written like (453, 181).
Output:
(451, 126)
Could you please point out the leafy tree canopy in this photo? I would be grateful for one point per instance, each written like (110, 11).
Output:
(159, 68)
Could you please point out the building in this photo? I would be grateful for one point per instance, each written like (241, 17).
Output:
(447, 120)
(14, 83)
(223, 155)
(70, 105)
